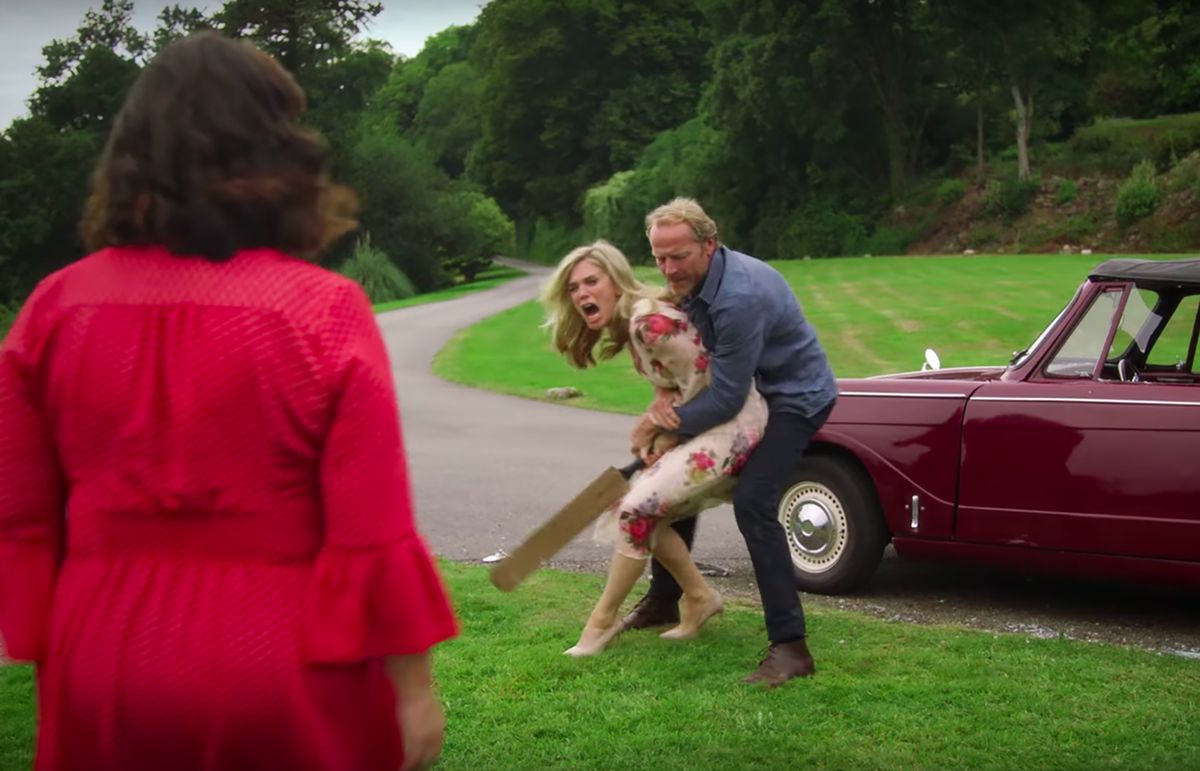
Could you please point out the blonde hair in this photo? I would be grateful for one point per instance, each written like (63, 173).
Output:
(570, 334)
(685, 210)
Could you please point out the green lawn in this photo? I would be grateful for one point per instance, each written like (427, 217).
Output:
(486, 280)
(873, 315)
(887, 695)
(16, 717)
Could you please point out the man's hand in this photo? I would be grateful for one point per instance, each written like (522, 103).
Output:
(642, 434)
(662, 442)
(662, 409)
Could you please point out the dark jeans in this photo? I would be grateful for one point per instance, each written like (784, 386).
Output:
(755, 506)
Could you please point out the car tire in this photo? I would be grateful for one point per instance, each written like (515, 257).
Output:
(834, 525)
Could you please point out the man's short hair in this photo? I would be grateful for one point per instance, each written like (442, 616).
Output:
(686, 210)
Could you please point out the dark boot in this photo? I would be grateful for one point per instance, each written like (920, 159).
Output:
(784, 661)
(651, 611)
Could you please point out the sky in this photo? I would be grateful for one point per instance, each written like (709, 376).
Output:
(27, 25)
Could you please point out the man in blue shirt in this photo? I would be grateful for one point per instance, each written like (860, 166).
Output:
(756, 334)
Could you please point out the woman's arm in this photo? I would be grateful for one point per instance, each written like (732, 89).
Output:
(422, 722)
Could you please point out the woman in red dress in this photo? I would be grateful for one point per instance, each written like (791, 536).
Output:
(207, 542)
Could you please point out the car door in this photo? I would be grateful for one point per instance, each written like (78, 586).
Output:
(1075, 459)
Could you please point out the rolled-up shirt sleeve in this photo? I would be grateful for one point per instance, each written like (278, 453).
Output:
(738, 336)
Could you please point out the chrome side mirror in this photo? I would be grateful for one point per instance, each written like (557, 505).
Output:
(932, 360)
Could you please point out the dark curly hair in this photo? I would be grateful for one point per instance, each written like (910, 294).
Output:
(205, 159)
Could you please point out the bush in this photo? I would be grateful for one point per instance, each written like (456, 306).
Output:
(887, 240)
(1138, 196)
(474, 232)
(380, 278)
(547, 241)
(1068, 191)
(819, 231)
(401, 193)
(1080, 227)
(679, 161)
(1122, 143)
(1009, 197)
(950, 191)
(984, 235)
(1131, 92)
(1184, 177)
(615, 210)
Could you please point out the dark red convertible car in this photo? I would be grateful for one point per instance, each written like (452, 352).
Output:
(1082, 456)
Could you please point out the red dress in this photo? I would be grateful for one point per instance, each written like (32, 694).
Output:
(206, 534)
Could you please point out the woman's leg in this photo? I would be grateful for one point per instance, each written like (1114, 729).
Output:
(700, 601)
(603, 625)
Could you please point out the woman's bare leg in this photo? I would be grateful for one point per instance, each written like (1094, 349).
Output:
(603, 625)
(700, 601)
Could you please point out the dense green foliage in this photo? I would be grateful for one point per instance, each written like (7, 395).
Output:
(807, 127)
(1138, 196)
(379, 276)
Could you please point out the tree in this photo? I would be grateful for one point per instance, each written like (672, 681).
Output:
(175, 22)
(447, 123)
(899, 47)
(973, 60)
(1143, 61)
(338, 91)
(46, 159)
(399, 189)
(433, 99)
(476, 232)
(91, 96)
(574, 90)
(1031, 43)
(301, 34)
(399, 99)
(110, 28)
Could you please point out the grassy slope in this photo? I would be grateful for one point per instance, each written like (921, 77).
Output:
(873, 316)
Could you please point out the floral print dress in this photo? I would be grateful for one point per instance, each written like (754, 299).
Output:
(697, 474)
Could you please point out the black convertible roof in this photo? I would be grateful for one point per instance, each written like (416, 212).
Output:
(1149, 273)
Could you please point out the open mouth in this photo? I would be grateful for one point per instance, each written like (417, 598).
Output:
(590, 310)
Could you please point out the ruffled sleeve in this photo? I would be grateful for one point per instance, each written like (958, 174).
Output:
(31, 500)
(376, 589)
(667, 350)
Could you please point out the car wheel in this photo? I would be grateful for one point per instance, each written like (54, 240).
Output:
(834, 525)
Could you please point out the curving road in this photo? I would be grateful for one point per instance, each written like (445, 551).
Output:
(487, 469)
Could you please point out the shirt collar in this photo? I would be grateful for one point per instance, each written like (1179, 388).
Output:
(712, 280)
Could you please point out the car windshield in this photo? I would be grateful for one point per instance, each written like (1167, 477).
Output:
(1020, 357)
(1084, 353)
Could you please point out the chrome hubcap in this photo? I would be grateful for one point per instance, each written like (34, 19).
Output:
(815, 523)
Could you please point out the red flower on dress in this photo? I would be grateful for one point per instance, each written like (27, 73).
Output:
(656, 325)
(701, 362)
(639, 528)
(702, 461)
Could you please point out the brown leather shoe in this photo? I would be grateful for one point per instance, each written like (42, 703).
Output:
(650, 612)
(783, 662)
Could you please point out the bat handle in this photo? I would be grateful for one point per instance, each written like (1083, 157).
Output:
(637, 465)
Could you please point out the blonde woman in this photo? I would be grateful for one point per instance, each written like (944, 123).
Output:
(594, 301)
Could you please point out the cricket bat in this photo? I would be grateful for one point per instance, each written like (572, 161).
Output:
(557, 532)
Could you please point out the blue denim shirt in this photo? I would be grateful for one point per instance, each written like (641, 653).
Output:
(754, 330)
